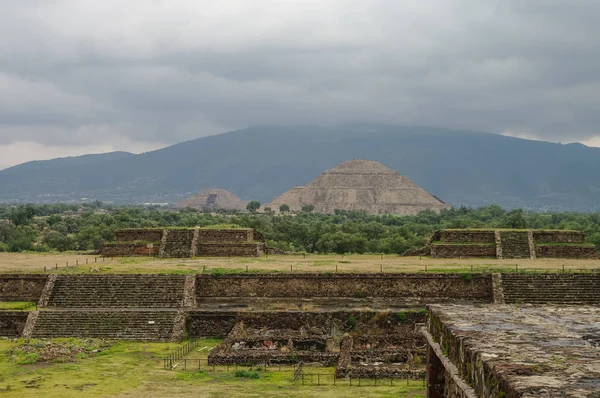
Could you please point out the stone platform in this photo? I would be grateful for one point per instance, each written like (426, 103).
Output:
(513, 351)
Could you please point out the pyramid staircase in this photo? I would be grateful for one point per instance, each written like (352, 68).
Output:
(515, 244)
(139, 325)
(117, 291)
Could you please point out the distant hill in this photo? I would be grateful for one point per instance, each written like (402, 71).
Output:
(459, 167)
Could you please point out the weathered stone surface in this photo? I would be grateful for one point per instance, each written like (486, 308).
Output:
(521, 351)
(462, 250)
(156, 325)
(138, 234)
(466, 236)
(12, 323)
(21, 287)
(558, 288)
(422, 287)
(500, 243)
(126, 290)
(129, 249)
(566, 251)
(360, 185)
(186, 242)
(242, 249)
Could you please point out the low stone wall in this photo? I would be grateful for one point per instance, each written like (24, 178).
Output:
(230, 249)
(471, 236)
(226, 235)
(209, 324)
(21, 287)
(128, 249)
(12, 323)
(137, 234)
(451, 288)
(566, 251)
(558, 236)
(462, 250)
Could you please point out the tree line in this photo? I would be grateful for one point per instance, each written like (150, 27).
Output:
(66, 227)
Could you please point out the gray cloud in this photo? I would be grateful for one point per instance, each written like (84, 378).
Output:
(88, 74)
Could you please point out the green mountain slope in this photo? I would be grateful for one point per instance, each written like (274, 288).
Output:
(262, 162)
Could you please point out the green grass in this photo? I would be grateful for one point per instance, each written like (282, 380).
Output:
(135, 370)
(17, 305)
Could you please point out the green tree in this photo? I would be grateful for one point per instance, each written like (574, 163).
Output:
(284, 208)
(22, 215)
(308, 208)
(252, 206)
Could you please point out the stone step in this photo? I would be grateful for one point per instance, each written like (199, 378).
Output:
(129, 325)
(150, 291)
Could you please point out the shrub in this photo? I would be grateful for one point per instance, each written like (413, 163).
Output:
(401, 317)
(351, 322)
(247, 374)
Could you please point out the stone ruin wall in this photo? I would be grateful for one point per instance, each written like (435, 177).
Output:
(400, 338)
(469, 365)
(473, 243)
(558, 236)
(128, 249)
(226, 235)
(231, 249)
(467, 236)
(12, 323)
(462, 251)
(21, 287)
(186, 242)
(431, 286)
(568, 251)
(137, 234)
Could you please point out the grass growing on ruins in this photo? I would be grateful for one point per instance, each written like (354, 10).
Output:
(17, 306)
(135, 369)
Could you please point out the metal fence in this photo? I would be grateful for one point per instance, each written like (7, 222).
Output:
(328, 379)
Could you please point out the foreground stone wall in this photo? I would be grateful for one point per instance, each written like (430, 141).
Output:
(462, 250)
(21, 287)
(135, 234)
(12, 323)
(477, 288)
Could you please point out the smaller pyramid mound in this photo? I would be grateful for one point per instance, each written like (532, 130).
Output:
(213, 199)
(361, 185)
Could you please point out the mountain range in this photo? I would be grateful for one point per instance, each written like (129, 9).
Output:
(459, 167)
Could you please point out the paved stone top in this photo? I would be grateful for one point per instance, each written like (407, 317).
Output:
(539, 351)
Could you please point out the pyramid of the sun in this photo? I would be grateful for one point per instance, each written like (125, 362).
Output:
(362, 185)
(213, 199)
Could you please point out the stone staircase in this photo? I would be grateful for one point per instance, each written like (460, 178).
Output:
(139, 325)
(564, 289)
(124, 291)
(177, 243)
(515, 244)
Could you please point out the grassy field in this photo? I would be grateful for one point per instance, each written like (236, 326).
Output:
(135, 370)
(35, 263)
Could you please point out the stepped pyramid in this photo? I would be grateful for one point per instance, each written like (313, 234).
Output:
(362, 185)
(213, 199)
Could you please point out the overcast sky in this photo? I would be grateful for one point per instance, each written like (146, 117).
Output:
(79, 76)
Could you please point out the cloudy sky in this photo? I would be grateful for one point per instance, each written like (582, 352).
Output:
(79, 76)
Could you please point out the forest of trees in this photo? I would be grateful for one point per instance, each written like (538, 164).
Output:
(64, 227)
